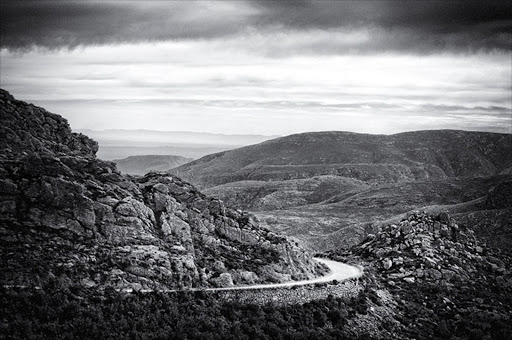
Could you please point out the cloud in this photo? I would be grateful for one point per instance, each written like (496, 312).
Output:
(356, 26)
(57, 24)
(411, 26)
(222, 85)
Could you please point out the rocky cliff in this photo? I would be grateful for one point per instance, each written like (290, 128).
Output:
(429, 248)
(70, 218)
(433, 279)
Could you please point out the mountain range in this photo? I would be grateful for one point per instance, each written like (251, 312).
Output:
(87, 251)
(330, 188)
(118, 143)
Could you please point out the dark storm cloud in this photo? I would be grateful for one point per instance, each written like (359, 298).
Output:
(434, 16)
(400, 25)
(56, 24)
(413, 26)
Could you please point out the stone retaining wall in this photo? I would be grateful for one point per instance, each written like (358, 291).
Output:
(293, 295)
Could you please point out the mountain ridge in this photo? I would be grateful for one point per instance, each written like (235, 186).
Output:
(403, 156)
(324, 188)
(140, 165)
(71, 219)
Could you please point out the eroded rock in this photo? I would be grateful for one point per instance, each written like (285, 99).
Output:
(65, 211)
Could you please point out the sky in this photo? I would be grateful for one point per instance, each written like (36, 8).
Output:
(263, 67)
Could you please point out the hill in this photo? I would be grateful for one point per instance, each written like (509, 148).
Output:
(489, 216)
(70, 219)
(140, 165)
(432, 278)
(401, 157)
(425, 277)
(327, 189)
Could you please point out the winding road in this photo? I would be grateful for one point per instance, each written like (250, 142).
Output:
(338, 271)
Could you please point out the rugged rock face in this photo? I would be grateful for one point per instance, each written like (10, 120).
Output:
(435, 280)
(68, 217)
(431, 249)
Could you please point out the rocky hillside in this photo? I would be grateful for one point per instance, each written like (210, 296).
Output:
(325, 212)
(427, 248)
(488, 212)
(328, 188)
(401, 157)
(439, 280)
(68, 218)
(141, 165)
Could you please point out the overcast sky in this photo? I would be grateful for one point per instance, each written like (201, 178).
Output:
(263, 67)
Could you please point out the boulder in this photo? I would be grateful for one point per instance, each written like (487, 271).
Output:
(223, 280)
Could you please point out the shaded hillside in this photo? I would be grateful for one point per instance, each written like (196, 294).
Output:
(277, 195)
(68, 218)
(328, 211)
(401, 157)
(141, 165)
(437, 279)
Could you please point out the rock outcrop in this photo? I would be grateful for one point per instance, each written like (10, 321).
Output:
(68, 217)
(434, 249)
(435, 279)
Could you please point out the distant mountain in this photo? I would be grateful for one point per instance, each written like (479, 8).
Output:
(328, 188)
(174, 137)
(116, 143)
(419, 155)
(194, 151)
(69, 219)
(140, 165)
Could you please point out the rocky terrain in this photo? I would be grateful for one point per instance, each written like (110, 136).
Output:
(489, 216)
(69, 218)
(439, 280)
(141, 165)
(427, 248)
(425, 277)
(330, 188)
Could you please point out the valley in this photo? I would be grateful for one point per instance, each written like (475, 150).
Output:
(87, 249)
(330, 189)
(255, 170)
